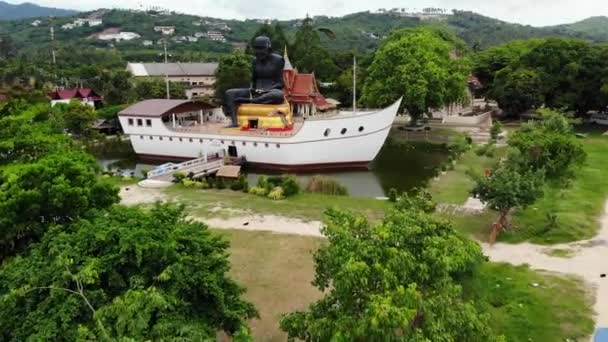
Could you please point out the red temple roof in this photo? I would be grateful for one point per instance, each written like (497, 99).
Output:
(75, 93)
(302, 88)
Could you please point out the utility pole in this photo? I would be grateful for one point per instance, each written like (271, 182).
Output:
(52, 41)
(354, 83)
(166, 70)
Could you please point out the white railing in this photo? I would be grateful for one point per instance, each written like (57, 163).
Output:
(171, 167)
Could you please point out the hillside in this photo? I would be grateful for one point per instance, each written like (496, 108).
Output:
(29, 10)
(361, 31)
(595, 27)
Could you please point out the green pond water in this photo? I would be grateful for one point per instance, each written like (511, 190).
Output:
(400, 167)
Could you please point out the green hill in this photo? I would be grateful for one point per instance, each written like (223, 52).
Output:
(29, 10)
(595, 27)
(361, 31)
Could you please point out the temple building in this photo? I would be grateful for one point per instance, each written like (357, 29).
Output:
(302, 92)
(85, 95)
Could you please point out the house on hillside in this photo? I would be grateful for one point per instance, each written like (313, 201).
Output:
(302, 92)
(36, 22)
(119, 36)
(198, 77)
(165, 30)
(85, 95)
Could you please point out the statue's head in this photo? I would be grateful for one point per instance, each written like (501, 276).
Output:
(261, 47)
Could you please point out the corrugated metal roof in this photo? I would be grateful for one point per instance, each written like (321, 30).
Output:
(172, 69)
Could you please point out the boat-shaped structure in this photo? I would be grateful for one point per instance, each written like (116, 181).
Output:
(183, 129)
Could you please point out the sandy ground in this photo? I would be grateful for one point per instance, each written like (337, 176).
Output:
(133, 195)
(588, 261)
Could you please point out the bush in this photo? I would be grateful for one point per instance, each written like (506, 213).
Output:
(486, 150)
(460, 144)
(290, 185)
(326, 185)
(258, 191)
(392, 195)
(263, 182)
(201, 185)
(220, 184)
(144, 173)
(189, 183)
(178, 177)
(276, 194)
(495, 130)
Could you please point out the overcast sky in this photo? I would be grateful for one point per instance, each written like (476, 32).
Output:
(532, 12)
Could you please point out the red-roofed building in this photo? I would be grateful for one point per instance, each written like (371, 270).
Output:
(302, 92)
(85, 95)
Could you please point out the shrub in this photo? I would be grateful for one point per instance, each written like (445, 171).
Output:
(244, 183)
(188, 183)
(258, 191)
(290, 185)
(263, 182)
(392, 195)
(326, 185)
(460, 144)
(220, 184)
(276, 194)
(178, 177)
(144, 173)
(495, 130)
(201, 185)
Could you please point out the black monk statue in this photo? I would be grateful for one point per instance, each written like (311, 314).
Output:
(267, 80)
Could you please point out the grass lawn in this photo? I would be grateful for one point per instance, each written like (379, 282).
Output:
(277, 271)
(455, 185)
(121, 181)
(306, 206)
(556, 309)
(577, 207)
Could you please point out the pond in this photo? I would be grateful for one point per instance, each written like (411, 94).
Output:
(402, 167)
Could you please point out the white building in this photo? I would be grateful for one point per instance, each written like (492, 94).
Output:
(36, 22)
(147, 43)
(119, 36)
(216, 36)
(165, 30)
(95, 22)
(198, 77)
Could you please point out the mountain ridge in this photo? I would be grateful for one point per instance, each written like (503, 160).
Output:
(28, 10)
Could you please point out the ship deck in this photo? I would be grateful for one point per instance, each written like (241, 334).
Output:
(219, 128)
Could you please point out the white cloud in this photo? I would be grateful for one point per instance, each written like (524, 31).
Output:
(532, 12)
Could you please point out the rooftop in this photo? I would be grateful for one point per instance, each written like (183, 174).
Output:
(172, 69)
(159, 107)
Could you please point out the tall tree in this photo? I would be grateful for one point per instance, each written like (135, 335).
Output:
(125, 274)
(275, 33)
(234, 71)
(309, 56)
(419, 65)
(76, 117)
(395, 281)
(518, 91)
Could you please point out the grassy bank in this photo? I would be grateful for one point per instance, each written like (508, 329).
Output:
(277, 271)
(306, 206)
(577, 207)
(531, 306)
(454, 187)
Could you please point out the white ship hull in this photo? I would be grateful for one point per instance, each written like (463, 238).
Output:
(353, 140)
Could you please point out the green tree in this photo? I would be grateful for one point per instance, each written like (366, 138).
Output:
(123, 274)
(395, 281)
(275, 33)
(157, 89)
(548, 145)
(309, 56)
(517, 91)
(56, 189)
(234, 71)
(508, 187)
(416, 64)
(76, 117)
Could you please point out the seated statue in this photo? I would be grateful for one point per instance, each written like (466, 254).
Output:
(267, 80)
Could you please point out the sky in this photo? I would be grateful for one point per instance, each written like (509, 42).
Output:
(530, 12)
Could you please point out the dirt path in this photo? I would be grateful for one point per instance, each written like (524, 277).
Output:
(589, 259)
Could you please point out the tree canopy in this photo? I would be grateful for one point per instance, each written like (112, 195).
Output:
(394, 281)
(234, 71)
(417, 64)
(126, 274)
(309, 56)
